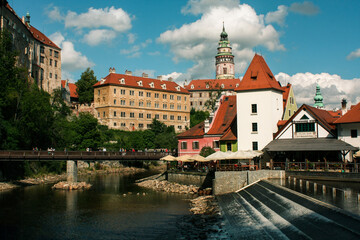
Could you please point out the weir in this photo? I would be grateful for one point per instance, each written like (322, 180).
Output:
(71, 171)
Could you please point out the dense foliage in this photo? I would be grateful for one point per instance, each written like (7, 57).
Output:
(214, 95)
(206, 151)
(85, 87)
(197, 117)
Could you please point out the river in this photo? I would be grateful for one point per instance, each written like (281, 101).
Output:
(114, 208)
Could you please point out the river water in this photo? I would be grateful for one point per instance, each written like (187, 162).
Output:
(111, 209)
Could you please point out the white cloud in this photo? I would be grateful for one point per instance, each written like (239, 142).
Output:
(134, 51)
(150, 72)
(131, 38)
(333, 88)
(197, 41)
(354, 54)
(71, 60)
(53, 13)
(117, 19)
(173, 75)
(97, 36)
(201, 6)
(277, 16)
(305, 8)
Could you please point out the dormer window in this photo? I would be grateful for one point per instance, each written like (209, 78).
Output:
(151, 85)
(192, 86)
(177, 88)
(102, 81)
(222, 85)
(207, 86)
(140, 83)
(163, 86)
(122, 81)
(237, 85)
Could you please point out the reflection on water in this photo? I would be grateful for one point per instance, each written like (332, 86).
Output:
(341, 194)
(112, 209)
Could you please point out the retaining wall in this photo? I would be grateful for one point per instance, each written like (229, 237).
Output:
(187, 179)
(226, 182)
(327, 176)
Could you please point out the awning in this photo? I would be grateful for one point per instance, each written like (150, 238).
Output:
(244, 154)
(308, 144)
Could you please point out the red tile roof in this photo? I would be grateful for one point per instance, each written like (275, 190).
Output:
(352, 116)
(63, 83)
(42, 38)
(73, 92)
(201, 84)
(231, 132)
(286, 94)
(224, 116)
(134, 81)
(196, 131)
(258, 76)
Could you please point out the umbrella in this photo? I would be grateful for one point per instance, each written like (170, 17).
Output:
(198, 158)
(184, 158)
(357, 154)
(168, 158)
(244, 154)
(217, 156)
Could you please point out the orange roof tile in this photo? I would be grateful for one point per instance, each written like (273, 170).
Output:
(42, 38)
(258, 76)
(231, 132)
(73, 92)
(224, 116)
(63, 83)
(211, 84)
(194, 132)
(352, 116)
(286, 94)
(141, 82)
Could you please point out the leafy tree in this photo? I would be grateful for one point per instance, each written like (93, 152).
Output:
(157, 127)
(214, 94)
(197, 117)
(85, 87)
(206, 151)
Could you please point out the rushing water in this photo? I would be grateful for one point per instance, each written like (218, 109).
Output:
(112, 209)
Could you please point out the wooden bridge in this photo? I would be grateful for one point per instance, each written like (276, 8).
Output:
(28, 155)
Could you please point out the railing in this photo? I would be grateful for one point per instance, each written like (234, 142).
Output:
(234, 167)
(78, 155)
(317, 166)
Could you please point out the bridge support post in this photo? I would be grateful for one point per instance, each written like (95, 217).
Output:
(315, 187)
(71, 170)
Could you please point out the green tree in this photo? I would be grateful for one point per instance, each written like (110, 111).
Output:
(206, 151)
(85, 87)
(197, 117)
(214, 95)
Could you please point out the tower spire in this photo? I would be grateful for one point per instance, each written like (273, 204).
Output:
(225, 67)
(318, 98)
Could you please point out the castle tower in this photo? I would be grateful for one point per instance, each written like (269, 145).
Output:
(225, 67)
(318, 98)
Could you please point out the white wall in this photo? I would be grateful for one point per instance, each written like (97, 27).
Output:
(344, 133)
(269, 112)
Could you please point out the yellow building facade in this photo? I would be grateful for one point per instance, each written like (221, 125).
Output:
(129, 103)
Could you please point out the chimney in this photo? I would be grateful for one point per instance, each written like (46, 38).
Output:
(343, 106)
(23, 19)
(145, 75)
(111, 70)
(170, 79)
(206, 125)
(27, 18)
(128, 73)
(159, 77)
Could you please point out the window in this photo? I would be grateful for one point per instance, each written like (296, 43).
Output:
(50, 75)
(305, 127)
(42, 59)
(179, 127)
(171, 97)
(148, 115)
(132, 103)
(354, 133)
(122, 102)
(148, 104)
(183, 145)
(253, 108)
(216, 144)
(185, 98)
(123, 114)
(164, 96)
(141, 115)
(164, 106)
(172, 117)
(123, 124)
(148, 94)
(141, 94)
(179, 118)
(200, 103)
(179, 98)
(99, 92)
(228, 147)
(171, 106)
(42, 49)
(132, 93)
(114, 113)
(200, 94)
(157, 116)
(191, 103)
(114, 124)
(55, 76)
(141, 125)
(98, 114)
(148, 126)
(41, 74)
(195, 145)
(50, 62)
(114, 101)
(255, 146)
(179, 106)
(156, 95)
(55, 63)
(122, 91)
(141, 104)
(56, 54)
(132, 115)
(156, 105)
(254, 127)
(103, 114)
(50, 50)
(225, 70)
(165, 117)
(185, 118)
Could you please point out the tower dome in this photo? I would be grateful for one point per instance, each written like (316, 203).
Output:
(225, 67)
(318, 98)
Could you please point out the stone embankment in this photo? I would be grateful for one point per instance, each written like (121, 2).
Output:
(204, 205)
(6, 186)
(72, 185)
(169, 187)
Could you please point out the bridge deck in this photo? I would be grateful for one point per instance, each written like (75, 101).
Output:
(267, 211)
(78, 155)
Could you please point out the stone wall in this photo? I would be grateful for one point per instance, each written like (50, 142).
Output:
(226, 182)
(187, 179)
(327, 176)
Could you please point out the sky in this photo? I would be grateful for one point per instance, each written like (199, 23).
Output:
(303, 42)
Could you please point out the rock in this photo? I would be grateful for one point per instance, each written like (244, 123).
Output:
(72, 185)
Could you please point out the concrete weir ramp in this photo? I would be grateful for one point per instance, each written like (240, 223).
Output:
(267, 211)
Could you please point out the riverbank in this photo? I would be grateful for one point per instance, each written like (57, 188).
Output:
(169, 187)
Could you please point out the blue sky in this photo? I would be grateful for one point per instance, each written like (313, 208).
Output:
(304, 43)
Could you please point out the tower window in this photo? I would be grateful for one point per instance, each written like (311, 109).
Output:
(225, 70)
